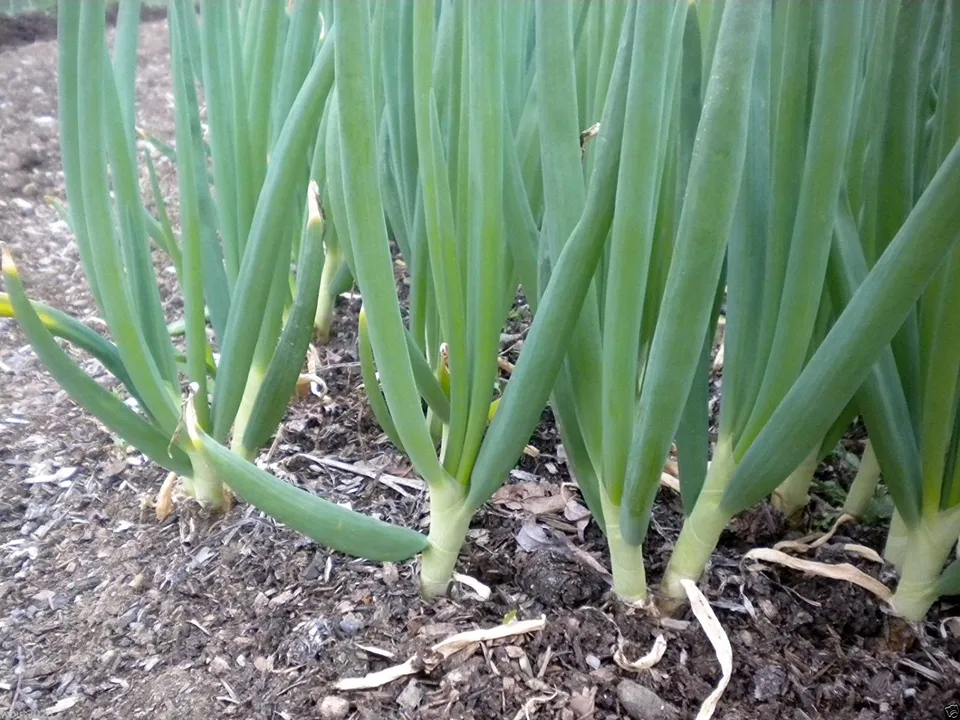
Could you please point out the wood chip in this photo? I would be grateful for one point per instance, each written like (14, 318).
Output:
(62, 705)
(163, 505)
(395, 482)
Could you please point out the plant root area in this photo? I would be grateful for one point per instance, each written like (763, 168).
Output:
(106, 612)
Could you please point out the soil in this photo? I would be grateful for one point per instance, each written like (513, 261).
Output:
(106, 613)
(29, 27)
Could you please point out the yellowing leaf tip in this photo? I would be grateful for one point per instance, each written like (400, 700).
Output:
(6, 261)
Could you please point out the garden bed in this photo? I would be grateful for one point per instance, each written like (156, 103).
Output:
(107, 613)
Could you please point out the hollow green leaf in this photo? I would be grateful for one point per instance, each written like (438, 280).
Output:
(291, 349)
(705, 222)
(152, 441)
(548, 338)
(856, 340)
(324, 522)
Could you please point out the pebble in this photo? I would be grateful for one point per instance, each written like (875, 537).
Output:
(219, 665)
(769, 683)
(411, 697)
(351, 624)
(644, 704)
(334, 707)
(24, 205)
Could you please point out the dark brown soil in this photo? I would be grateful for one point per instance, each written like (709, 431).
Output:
(105, 613)
(30, 27)
(25, 29)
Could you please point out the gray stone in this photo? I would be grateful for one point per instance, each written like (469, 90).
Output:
(334, 707)
(644, 704)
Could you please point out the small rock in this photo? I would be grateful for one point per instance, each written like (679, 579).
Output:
(769, 683)
(583, 703)
(644, 704)
(260, 603)
(24, 205)
(334, 707)
(390, 574)
(219, 665)
(139, 581)
(351, 623)
(411, 696)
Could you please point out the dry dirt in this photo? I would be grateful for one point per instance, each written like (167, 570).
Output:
(106, 613)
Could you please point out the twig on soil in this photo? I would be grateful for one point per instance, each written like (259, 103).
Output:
(278, 438)
(394, 482)
(375, 651)
(16, 690)
(932, 675)
(441, 651)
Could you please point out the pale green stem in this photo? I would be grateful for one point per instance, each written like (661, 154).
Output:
(323, 318)
(437, 428)
(701, 530)
(926, 550)
(793, 495)
(864, 484)
(449, 523)
(254, 382)
(896, 547)
(205, 484)
(626, 561)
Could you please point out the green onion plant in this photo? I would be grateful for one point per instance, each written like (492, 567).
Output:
(247, 108)
(455, 195)
(764, 438)
(631, 170)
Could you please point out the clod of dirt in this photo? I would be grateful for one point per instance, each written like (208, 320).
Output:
(644, 704)
(558, 581)
(758, 526)
(334, 707)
